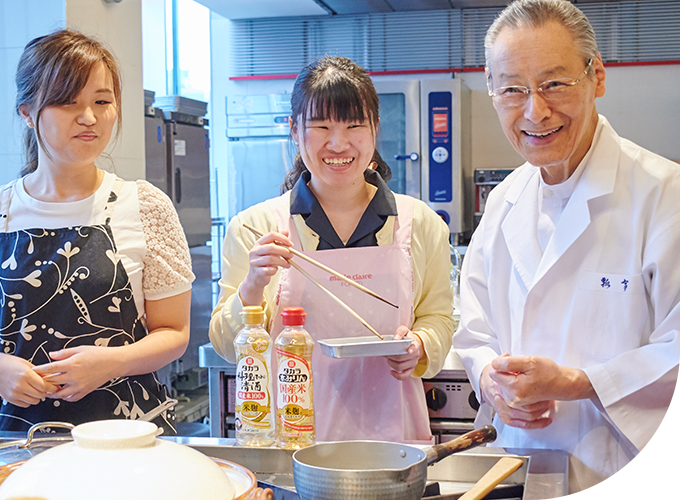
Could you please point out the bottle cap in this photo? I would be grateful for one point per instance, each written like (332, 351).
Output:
(252, 315)
(293, 316)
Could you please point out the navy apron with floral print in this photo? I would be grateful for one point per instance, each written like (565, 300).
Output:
(66, 287)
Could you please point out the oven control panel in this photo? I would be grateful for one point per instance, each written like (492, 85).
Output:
(450, 399)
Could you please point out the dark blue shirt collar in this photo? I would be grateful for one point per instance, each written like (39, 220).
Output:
(383, 205)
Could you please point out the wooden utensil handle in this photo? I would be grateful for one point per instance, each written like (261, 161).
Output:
(494, 476)
(467, 441)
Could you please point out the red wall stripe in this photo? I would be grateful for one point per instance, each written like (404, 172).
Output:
(445, 70)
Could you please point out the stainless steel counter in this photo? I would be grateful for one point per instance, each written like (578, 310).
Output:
(216, 365)
(544, 475)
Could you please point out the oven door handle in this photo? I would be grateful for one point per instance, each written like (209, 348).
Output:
(412, 157)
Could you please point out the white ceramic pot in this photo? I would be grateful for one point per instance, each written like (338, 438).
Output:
(118, 459)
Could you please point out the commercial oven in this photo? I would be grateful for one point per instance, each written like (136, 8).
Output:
(424, 136)
(451, 402)
(485, 180)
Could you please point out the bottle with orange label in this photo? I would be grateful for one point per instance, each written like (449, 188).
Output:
(295, 427)
(254, 406)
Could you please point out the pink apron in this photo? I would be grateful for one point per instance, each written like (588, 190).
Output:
(357, 398)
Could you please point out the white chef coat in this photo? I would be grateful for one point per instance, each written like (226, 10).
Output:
(604, 296)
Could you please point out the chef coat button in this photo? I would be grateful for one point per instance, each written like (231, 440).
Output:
(548, 192)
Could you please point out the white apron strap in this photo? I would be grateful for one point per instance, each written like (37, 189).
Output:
(113, 198)
(5, 200)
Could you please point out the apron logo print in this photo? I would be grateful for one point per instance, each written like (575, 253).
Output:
(358, 278)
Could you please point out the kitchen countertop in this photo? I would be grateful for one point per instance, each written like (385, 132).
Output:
(544, 476)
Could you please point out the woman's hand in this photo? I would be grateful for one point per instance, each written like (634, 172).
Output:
(79, 370)
(19, 384)
(266, 257)
(403, 364)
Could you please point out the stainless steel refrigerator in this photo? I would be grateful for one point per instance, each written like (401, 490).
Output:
(177, 161)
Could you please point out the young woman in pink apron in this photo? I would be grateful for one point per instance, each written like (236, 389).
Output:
(338, 209)
(95, 273)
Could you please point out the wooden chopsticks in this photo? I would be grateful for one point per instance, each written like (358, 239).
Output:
(334, 273)
(328, 270)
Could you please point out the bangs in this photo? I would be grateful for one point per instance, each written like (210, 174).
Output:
(68, 77)
(337, 100)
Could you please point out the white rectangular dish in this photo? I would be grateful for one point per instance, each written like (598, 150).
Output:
(363, 347)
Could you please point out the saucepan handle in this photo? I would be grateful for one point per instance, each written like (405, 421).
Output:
(467, 441)
(42, 425)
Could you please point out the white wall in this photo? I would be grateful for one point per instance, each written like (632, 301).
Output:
(221, 87)
(154, 46)
(118, 25)
(643, 104)
(20, 22)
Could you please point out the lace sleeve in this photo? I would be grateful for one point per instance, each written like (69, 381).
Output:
(167, 263)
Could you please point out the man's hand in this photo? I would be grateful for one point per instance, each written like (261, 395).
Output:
(530, 416)
(523, 389)
(524, 380)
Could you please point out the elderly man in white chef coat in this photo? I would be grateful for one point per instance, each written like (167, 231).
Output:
(570, 313)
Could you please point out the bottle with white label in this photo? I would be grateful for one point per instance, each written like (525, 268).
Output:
(254, 421)
(295, 427)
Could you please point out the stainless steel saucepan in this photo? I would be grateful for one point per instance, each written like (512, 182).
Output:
(373, 469)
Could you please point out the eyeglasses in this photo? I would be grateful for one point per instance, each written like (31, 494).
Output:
(552, 90)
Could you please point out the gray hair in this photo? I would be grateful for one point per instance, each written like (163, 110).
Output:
(537, 13)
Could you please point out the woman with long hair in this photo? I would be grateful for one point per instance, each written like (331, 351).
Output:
(337, 208)
(95, 274)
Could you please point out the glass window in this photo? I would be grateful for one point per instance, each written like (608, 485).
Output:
(193, 49)
(176, 48)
